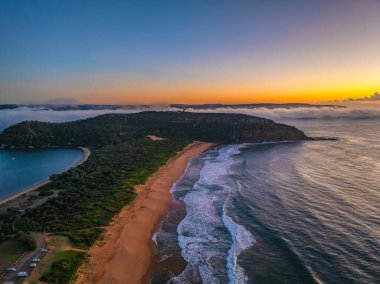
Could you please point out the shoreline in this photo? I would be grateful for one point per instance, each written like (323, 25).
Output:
(86, 154)
(174, 264)
(12, 197)
(126, 252)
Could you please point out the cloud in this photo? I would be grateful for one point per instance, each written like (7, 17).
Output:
(374, 98)
(285, 115)
(9, 117)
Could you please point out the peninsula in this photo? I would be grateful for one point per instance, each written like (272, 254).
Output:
(115, 179)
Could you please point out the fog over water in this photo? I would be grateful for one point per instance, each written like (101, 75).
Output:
(355, 112)
(9, 117)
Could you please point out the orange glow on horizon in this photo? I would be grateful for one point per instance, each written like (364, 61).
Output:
(212, 95)
(225, 98)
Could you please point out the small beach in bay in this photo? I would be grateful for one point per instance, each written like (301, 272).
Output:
(25, 171)
(125, 253)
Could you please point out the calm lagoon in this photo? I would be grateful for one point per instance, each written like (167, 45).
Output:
(22, 169)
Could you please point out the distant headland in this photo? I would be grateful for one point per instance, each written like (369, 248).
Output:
(117, 128)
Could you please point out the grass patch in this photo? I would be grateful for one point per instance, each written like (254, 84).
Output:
(10, 250)
(85, 238)
(63, 267)
(58, 242)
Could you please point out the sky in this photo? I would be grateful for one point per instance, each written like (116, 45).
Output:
(189, 51)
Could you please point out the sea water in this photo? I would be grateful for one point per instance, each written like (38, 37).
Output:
(303, 212)
(23, 169)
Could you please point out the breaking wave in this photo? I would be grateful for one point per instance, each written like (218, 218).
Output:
(210, 239)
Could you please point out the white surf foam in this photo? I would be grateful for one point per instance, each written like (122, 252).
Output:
(154, 238)
(241, 240)
(210, 240)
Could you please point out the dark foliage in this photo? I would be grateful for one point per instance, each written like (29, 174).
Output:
(91, 194)
(117, 128)
(63, 267)
(26, 239)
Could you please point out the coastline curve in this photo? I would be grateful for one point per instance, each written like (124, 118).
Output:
(86, 154)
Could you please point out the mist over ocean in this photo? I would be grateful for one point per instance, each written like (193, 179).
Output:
(305, 212)
(9, 117)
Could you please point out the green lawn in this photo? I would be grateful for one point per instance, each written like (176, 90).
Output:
(10, 250)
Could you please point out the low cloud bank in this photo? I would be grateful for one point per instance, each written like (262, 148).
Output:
(9, 117)
(281, 114)
(374, 98)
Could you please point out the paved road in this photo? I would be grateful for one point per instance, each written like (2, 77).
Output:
(23, 264)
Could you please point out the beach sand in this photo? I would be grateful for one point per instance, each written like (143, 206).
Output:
(155, 138)
(125, 254)
(86, 154)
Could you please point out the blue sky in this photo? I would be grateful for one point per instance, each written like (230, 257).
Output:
(185, 51)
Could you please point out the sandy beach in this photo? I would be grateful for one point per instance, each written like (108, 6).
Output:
(125, 254)
(86, 154)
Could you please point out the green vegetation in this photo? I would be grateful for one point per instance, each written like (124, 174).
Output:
(27, 240)
(10, 250)
(63, 267)
(84, 239)
(116, 128)
(13, 246)
(90, 195)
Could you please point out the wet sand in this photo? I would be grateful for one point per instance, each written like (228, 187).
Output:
(125, 254)
(172, 264)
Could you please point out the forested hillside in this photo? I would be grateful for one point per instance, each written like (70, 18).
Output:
(116, 128)
(85, 198)
(92, 193)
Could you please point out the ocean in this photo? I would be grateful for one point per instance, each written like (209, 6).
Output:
(303, 212)
(22, 169)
